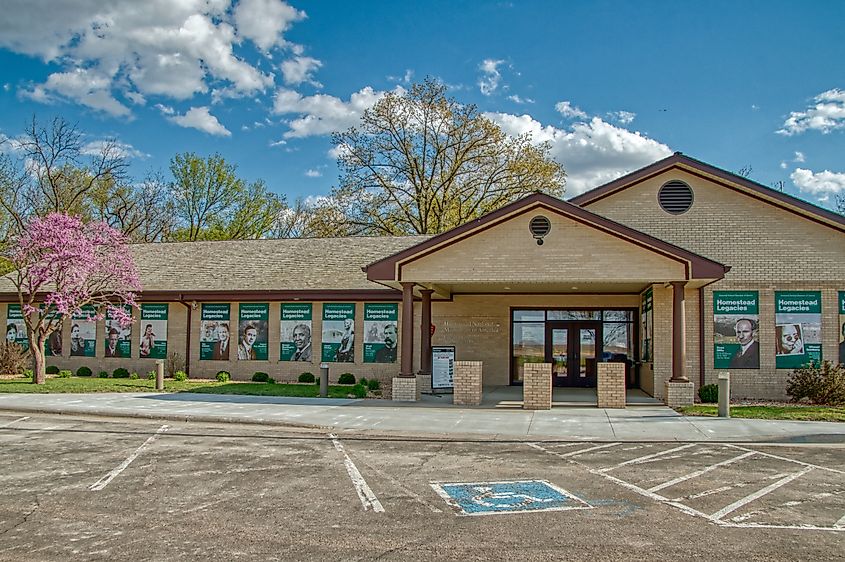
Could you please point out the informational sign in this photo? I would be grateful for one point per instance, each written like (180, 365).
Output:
(735, 323)
(215, 332)
(83, 333)
(442, 367)
(296, 332)
(118, 338)
(16, 327)
(647, 325)
(381, 332)
(153, 327)
(338, 333)
(798, 328)
(252, 331)
(842, 327)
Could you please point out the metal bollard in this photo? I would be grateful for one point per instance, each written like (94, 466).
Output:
(160, 374)
(324, 380)
(724, 395)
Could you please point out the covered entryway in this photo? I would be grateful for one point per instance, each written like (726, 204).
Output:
(573, 348)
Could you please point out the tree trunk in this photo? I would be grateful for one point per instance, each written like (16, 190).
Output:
(39, 362)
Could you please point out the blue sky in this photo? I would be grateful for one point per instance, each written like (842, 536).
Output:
(612, 86)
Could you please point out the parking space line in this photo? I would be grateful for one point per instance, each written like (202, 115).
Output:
(104, 481)
(14, 421)
(758, 494)
(840, 524)
(771, 456)
(648, 457)
(365, 494)
(698, 473)
(572, 453)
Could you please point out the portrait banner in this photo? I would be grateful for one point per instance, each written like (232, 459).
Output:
(295, 344)
(842, 327)
(118, 338)
(16, 327)
(153, 328)
(53, 345)
(736, 321)
(381, 332)
(215, 332)
(83, 332)
(252, 331)
(798, 328)
(338, 344)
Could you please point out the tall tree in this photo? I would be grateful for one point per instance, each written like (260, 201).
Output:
(144, 212)
(422, 163)
(840, 203)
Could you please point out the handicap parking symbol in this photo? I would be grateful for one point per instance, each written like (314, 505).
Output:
(520, 496)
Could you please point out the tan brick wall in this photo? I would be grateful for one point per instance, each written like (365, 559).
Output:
(678, 393)
(467, 378)
(611, 385)
(404, 389)
(537, 387)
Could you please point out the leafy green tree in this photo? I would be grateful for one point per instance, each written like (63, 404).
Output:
(422, 163)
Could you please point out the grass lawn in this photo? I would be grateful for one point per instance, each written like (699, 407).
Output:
(802, 413)
(86, 384)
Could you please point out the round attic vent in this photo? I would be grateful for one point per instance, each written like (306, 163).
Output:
(675, 197)
(539, 226)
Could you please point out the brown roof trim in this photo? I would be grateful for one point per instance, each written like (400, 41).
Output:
(697, 266)
(387, 295)
(699, 169)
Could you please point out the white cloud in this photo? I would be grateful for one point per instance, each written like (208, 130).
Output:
(125, 150)
(199, 118)
(165, 109)
(826, 115)
(312, 173)
(490, 76)
(623, 117)
(264, 21)
(820, 184)
(569, 111)
(519, 100)
(593, 152)
(86, 86)
(783, 165)
(300, 69)
(322, 114)
(799, 157)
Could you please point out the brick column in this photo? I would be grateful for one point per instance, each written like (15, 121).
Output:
(467, 381)
(611, 385)
(537, 386)
(404, 389)
(679, 393)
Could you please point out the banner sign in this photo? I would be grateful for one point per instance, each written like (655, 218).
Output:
(83, 332)
(382, 332)
(153, 331)
(215, 334)
(842, 327)
(296, 332)
(118, 338)
(735, 323)
(338, 333)
(53, 345)
(798, 328)
(442, 367)
(16, 327)
(252, 331)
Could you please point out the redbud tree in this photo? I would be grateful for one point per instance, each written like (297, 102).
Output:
(62, 264)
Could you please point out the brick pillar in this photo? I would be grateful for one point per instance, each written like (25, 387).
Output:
(404, 389)
(611, 385)
(679, 393)
(537, 386)
(467, 381)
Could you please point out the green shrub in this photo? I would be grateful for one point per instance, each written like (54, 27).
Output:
(223, 376)
(27, 373)
(346, 378)
(306, 377)
(363, 381)
(359, 391)
(709, 393)
(173, 363)
(120, 373)
(258, 376)
(52, 370)
(151, 376)
(103, 374)
(271, 380)
(180, 376)
(134, 376)
(83, 372)
(373, 384)
(13, 358)
(65, 374)
(820, 384)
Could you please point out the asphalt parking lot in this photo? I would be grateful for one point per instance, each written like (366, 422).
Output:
(77, 488)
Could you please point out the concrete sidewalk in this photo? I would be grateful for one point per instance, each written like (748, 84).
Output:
(430, 419)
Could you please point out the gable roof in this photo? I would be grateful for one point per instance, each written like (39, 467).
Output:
(717, 176)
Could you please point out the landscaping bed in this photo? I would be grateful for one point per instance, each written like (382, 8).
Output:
(770, 411)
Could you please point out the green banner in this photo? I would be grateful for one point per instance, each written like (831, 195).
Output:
(296, 332)
(842, 327)
(153, 327)
(252, 331)
(16, 327)
(735, 330)
(83, 332)
(215, 332)
(798, 328)
(118, 338)
(53, 345)
(381, 332)
(338, 333)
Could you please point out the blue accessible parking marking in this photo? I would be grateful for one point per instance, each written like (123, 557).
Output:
(518, 496)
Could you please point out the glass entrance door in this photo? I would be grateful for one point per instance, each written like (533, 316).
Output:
(573, 348)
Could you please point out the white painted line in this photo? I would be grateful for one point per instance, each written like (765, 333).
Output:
(758, 494)
(365, 494)
(103, 482)
(698, 473)
(416, 497)
(14, 421)
(648, 457)
(771, 456)
(840, 524)
(572, 453)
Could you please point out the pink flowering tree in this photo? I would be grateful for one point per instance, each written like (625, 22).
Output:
(62, 264)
